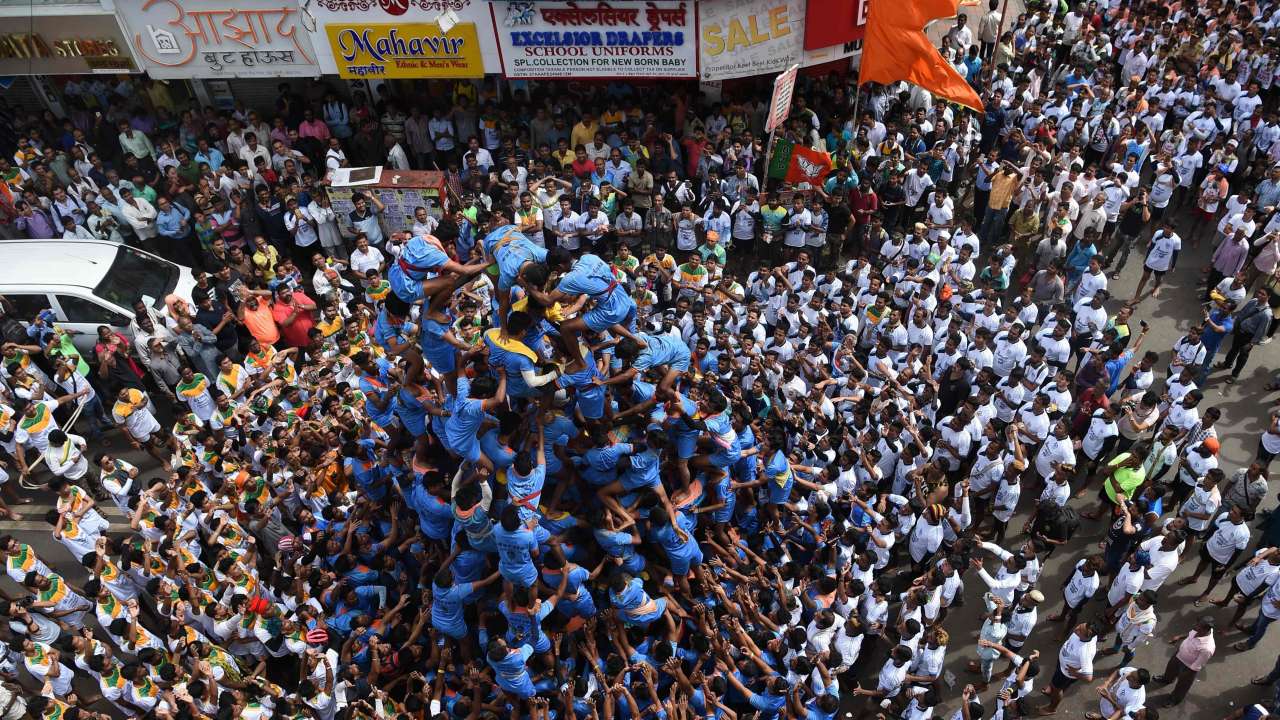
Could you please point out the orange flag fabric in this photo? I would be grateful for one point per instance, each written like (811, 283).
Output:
(896, 48)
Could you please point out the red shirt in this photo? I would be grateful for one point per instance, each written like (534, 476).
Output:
(863, 204)
(583, 169)
(295, 333)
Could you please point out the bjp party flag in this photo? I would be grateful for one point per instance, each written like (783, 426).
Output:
(796, 163)
(896, 48)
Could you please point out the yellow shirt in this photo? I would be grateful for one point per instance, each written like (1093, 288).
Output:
(266, 262)
(583, 134)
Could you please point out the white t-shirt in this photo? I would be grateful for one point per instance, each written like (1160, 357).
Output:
(1228, 539)
(1160, 256)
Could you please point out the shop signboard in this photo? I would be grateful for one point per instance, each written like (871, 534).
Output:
(618, 39)
(64, 44)
(406, 50)
(188, 39)
(402, 38)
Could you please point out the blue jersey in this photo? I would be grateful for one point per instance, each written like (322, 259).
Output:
(601, 464)
(662, 350)
(438, 351)
(376, 387)
(645, 471)
(511, 672)
(435, 515)
(476, 523)
(514, 559)
(514, 356)
(670, 541)
(556, 432)
(447, 607)
(460, 427)
(525, 626)
(780, 478)
(525, 492)
(412, 413)
(593, 277)
(419, 260)
(511, 250)
(385, 329)
(589, 396)
(725, 438)
(498, 452)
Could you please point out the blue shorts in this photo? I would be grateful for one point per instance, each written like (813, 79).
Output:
(469, 451)
(614, 312)
(457, 631)
(633, 563)
(591, 405)
(724, 459)
(542, 645)
(681, 364)
(582, 606)
(686, 445)
(522, 577)
(680, 565)
(660, 605)
(522, 688)
(725, 514)
(442, 356)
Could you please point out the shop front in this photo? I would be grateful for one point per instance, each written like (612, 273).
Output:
(47, 47)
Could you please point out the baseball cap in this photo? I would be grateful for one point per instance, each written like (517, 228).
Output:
(1211, 444)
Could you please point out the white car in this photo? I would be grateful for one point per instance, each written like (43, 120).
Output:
(86, 283)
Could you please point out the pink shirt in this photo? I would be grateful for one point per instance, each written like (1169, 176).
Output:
(315, 129)
(1195, 651)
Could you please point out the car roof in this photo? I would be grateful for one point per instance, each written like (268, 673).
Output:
(79, 263)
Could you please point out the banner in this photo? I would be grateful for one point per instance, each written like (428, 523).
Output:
(204, 38)
(780, 104)
(796, 164)
(64, 45)
(619, 39)
(834, 23)
(742, 38)
(414, 50)
(418, 60)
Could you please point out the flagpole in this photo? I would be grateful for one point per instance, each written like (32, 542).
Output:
(857, 93)
(768, 150)
(991, 62)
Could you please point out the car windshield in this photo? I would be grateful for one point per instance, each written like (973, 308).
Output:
(134, 274)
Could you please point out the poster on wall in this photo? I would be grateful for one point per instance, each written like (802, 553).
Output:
(416, 48)
(618, 39)
(742, 38)
(410, 50)
(184, 39)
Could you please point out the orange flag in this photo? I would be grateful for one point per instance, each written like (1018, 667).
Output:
(896, 48)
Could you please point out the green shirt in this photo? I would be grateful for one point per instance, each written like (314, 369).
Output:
(716, 252)
(65, 347)
(1129, 479)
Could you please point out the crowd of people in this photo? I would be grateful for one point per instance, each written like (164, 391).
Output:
(630, 430)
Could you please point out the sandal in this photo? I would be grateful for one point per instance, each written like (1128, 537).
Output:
(1230, 380)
